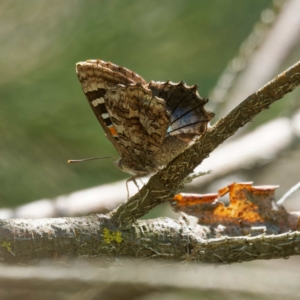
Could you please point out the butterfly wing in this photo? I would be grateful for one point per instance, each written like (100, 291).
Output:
(147, 124)
(188, 116)
(141, 122)
(96, 78)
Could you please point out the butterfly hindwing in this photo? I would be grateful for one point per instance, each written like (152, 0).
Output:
(141, 120)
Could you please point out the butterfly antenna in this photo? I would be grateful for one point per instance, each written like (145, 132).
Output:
(73, 161)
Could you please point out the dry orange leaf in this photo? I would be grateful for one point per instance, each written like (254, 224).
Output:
(252, 210)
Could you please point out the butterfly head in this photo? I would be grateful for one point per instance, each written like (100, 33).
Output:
(135, 167)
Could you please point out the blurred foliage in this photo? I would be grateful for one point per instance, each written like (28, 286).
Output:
(45, 118)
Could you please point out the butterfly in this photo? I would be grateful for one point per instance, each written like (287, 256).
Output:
(149, 124)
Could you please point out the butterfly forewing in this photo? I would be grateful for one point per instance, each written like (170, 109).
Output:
(96, 78)
(186, 107)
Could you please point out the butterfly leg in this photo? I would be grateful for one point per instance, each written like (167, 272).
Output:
(127, 187)
(132, 178)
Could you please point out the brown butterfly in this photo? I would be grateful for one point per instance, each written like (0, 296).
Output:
(148, 124)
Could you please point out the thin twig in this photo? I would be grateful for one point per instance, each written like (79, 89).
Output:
(288, 194)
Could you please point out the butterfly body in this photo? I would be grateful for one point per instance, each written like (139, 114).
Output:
(148, 124)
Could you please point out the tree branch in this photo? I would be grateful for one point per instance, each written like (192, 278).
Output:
(25, 240)
(162, 186)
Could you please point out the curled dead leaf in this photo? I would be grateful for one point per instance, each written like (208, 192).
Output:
(252, 210)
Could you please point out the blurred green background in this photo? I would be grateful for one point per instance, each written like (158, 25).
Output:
(44, 116)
